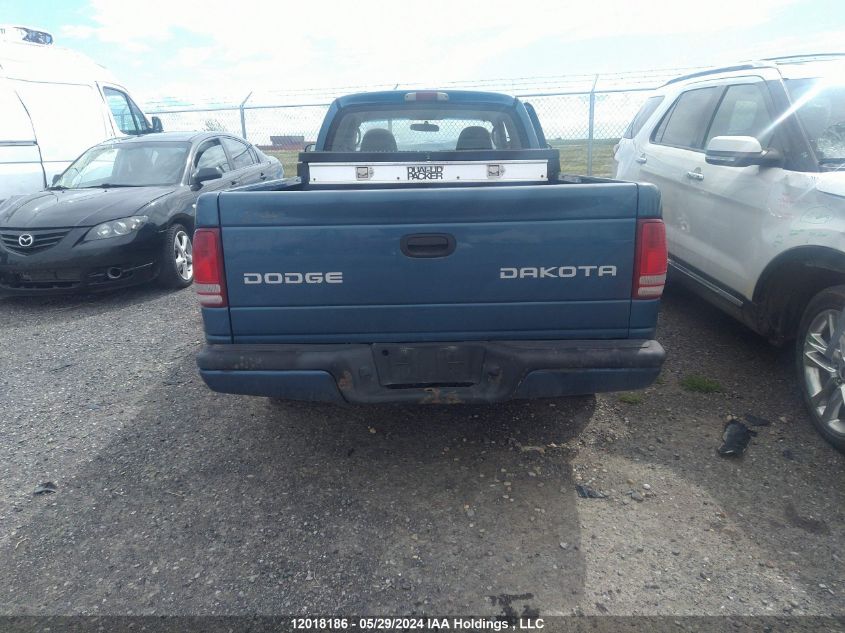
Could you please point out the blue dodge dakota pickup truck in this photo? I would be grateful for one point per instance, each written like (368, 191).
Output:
(430, 251)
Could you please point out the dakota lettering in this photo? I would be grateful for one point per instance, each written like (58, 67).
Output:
(557, 272)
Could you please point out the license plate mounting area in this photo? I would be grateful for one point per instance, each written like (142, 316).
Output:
(428, 365)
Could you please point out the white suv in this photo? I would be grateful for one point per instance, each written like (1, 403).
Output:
(750, 160)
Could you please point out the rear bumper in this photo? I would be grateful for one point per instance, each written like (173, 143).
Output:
(506, 370)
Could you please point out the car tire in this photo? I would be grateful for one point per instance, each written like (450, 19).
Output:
(176, 268)
(821, 365)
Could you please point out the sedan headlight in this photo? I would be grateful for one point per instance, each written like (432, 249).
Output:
(116, 228)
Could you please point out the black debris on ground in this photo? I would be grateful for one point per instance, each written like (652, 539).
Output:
(585, 492)
(47, 488)
(735, 439)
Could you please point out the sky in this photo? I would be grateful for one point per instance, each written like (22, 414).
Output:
(220, 51)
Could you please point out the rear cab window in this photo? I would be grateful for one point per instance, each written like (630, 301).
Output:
(424, 127)
(535, 121)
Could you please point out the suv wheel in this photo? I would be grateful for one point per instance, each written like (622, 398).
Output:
(821, 365)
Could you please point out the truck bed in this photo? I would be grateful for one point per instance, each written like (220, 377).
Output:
(390, 274)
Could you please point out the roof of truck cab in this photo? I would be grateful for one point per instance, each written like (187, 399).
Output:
(398, 96)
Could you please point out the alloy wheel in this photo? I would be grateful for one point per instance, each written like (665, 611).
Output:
(184, 257)
(824, 369)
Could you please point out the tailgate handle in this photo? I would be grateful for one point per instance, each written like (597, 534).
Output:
(428, 245)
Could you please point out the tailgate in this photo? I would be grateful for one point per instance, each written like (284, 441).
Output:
(475, 263)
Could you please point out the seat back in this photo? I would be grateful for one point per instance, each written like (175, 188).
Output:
(474, 137)
(378, 140)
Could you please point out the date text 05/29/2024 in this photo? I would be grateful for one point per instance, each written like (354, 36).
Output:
(415, 623)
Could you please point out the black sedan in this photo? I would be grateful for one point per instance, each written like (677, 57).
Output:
(122, 213)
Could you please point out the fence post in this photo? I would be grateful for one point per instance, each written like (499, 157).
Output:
(591, 127)
(243, 116)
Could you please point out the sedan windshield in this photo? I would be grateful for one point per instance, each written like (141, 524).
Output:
(820, 106)
(127, 165)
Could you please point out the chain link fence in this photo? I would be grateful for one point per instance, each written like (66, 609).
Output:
(583, 118)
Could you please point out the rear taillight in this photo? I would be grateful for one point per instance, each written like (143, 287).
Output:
(209, 280)
(651, 260)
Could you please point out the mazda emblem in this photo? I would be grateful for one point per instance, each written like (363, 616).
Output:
(25, 239)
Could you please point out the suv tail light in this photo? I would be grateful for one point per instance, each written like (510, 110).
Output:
(209, 280)
(651, 260)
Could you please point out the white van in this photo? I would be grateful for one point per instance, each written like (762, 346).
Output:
(54, 104)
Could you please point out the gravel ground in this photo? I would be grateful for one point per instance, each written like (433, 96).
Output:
(173, 500)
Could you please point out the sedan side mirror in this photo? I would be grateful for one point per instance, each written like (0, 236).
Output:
(310, 147)
(56, 178)
(740, 151)
(205, 174)
(157, 126)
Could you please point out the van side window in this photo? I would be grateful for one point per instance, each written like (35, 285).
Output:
(143, 124)
(212, 155)
(743, 112)
(642, 116)
(685, 124)
(126, 114)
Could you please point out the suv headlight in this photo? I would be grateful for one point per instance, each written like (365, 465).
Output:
(115, 228)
